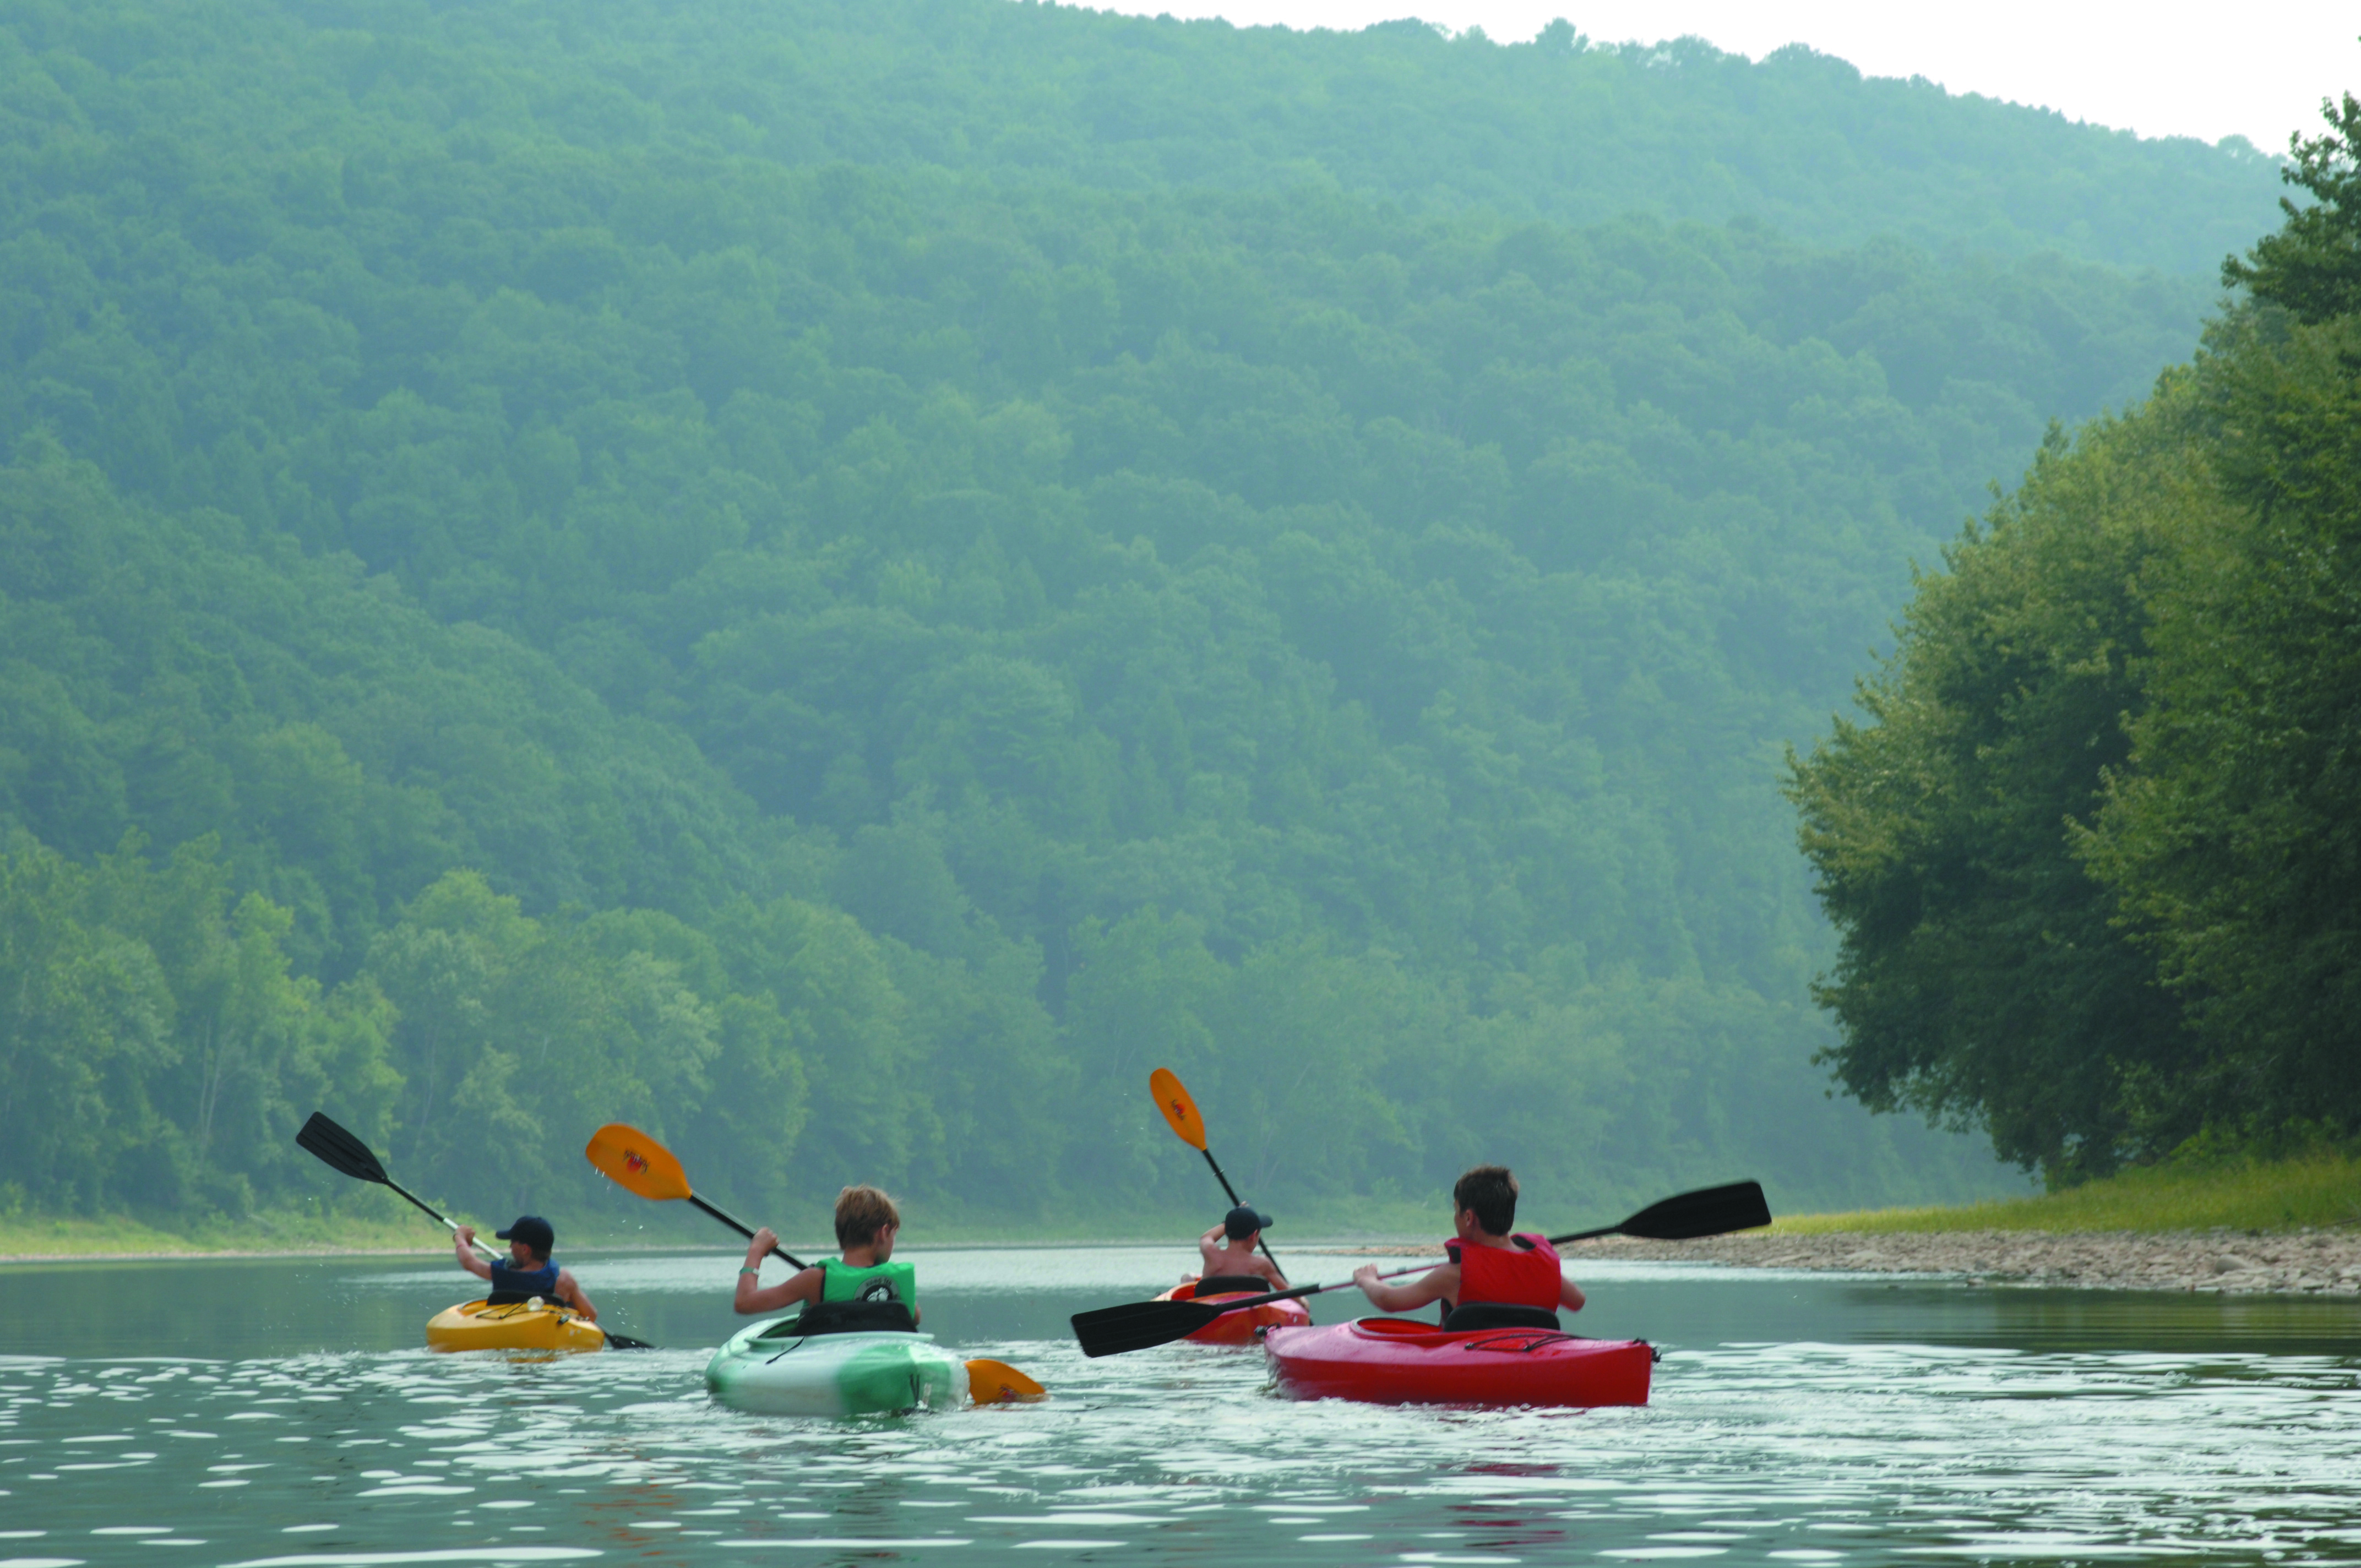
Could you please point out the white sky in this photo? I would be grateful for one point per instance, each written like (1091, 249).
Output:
(2160, 70)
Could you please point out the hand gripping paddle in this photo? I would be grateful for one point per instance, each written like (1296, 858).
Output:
(340, 1151)
(1172, 1098)
(1137, 1325)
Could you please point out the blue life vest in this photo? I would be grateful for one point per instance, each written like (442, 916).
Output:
(516, 1284)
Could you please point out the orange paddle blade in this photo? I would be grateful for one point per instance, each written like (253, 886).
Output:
(629, 1158)
(997, 1383)
(1178, 1108)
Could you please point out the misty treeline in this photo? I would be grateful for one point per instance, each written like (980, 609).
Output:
(2095, 845)
(534, 591)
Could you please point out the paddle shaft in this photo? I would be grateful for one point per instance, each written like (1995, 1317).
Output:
(1137, 1325)
(745, 1230)
(1236, 1205)
(1397, 1273)
(1213, 1310)
(1586, 1235)
(445, 1220)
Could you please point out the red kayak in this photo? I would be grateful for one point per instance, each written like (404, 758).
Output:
(1241, 1326)
(1394, 1361)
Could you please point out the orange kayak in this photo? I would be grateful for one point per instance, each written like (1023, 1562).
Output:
(1242, 1326)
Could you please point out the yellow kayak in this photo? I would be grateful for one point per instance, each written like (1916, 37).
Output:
(522, 1325)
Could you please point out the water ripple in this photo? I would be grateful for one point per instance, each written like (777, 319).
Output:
(1826, 1449)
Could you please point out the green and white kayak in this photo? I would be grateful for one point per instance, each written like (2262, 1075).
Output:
(771, 1369)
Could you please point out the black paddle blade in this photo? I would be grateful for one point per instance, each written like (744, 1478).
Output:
(1709, 1212)
(625, 1342)
(1137, 1325)
(340, 1150)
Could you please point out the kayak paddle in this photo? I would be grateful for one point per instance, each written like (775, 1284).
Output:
(632, 1160)
(635, 1161)
(340, 1151)
(1181, 1111)
(1137, 1325)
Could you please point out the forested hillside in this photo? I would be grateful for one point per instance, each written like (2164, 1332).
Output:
(1048, 96)
(2092, 851)
(539, 588)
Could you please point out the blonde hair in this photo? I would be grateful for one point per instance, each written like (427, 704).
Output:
(861, 1213)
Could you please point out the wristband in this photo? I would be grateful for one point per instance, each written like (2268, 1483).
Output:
(756, 1272)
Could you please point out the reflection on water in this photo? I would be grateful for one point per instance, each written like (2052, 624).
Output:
(281, 1413)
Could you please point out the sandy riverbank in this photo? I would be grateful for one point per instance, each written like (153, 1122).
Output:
(2311, 1262)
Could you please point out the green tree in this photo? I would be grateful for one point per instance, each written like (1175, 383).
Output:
(2232, 837)
(2311, 265)
(86, 1025)
(1983, 975)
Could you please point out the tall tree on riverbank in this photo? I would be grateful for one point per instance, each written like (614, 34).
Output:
(2236, 836)
(2096, 853)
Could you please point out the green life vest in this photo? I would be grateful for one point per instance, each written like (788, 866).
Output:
(886, 1281)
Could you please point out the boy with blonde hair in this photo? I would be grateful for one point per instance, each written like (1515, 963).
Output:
(867, 1222)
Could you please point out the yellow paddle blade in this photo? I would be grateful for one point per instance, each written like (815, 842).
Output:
(1178, 1108)
(997, 1383)
(630, 1159)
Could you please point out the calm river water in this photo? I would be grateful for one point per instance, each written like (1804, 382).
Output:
(281, 1414)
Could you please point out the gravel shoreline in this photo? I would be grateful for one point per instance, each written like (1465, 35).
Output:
(2291, 1263)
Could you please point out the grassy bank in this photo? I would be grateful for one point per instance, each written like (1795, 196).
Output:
(28, 1236)
(36, 1236)
(2314, 1191)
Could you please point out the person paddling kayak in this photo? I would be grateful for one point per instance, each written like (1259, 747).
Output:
(528, 1271)
(1486, 1264)
(1228, 1252)
(867, 1223)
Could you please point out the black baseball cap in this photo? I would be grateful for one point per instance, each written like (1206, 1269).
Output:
(532, 1230)
(1242, 1222)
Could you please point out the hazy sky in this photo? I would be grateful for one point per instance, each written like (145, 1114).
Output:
(2169, 70)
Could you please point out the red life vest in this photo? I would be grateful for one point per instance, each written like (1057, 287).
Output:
(1496, 1274)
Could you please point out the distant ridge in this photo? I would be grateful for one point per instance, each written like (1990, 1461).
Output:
(1554, 128)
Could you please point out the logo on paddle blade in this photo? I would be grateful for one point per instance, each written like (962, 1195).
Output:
(631, 1160)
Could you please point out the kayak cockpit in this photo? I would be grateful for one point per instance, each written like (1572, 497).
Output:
(531, 1324)
(843, 1318)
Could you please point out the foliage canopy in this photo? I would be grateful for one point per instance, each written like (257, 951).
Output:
(2094, 855)
(786, 574)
